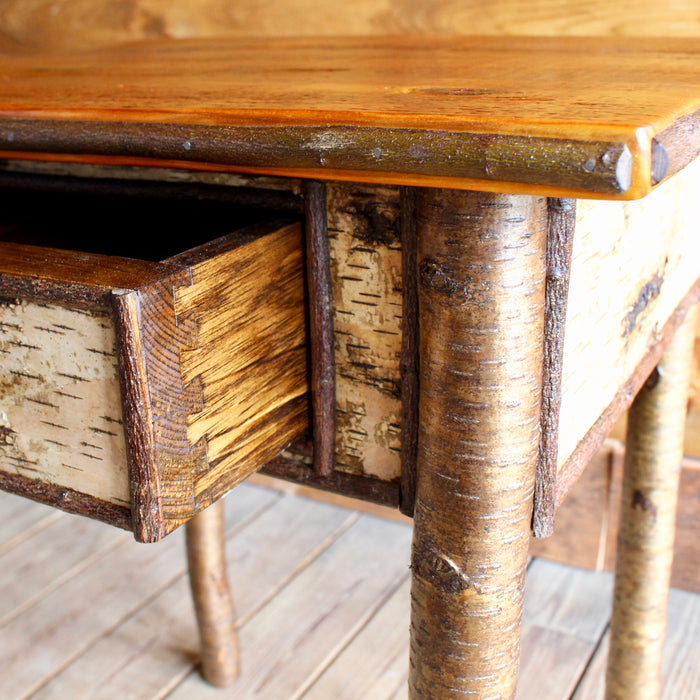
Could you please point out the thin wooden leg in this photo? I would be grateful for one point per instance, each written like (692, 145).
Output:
(653, 457)
(481, 298)
(212, 595)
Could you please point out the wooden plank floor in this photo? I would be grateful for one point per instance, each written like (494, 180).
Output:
(322, 596)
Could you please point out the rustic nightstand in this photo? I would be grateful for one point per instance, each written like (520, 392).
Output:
(478, 315)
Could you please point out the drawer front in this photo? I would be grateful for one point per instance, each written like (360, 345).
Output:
(61, 416)
(139, 393)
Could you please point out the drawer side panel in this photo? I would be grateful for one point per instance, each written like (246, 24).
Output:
(247, 357)
(633, 264)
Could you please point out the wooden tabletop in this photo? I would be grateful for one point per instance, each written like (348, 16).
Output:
(587, 117)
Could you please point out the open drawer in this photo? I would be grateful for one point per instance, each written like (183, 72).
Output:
(138, 392)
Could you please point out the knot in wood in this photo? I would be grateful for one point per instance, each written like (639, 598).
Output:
(439, 278)
(441, 571)
(640, 501)
(649, 291)
(653, 379)
(7, 436)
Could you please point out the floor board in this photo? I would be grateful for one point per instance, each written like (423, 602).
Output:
(322, 600)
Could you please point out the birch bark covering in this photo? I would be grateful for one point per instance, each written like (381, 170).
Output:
(647, 523)
(481, 287)
(633, 263)
(60, 405)
(365, 242)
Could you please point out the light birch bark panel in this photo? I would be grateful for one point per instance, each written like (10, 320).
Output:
(633, 263)
(363, 227)
(60, 399)
(29, 24)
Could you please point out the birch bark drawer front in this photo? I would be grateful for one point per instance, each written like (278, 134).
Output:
(139, 392)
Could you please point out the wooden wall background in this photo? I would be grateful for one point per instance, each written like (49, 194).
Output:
(74, 24)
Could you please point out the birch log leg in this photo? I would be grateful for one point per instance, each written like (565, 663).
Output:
(647, 527)
(481, 260)
(211, 593)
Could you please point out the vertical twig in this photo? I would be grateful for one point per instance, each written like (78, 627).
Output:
(560, 236)
(409, 351)
(321, 327)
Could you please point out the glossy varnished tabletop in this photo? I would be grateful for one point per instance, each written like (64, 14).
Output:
(573, 116)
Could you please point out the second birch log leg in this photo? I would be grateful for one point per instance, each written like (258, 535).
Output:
(211, 594)
(481, 260)
(653, 456)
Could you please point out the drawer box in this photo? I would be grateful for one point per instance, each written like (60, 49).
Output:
(139, 392)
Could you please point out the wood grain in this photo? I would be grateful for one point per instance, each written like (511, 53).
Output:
(81, 281)
(481, 290)
(387, 109)
(373, 650)
(292, 636)
(139, 418)
(209, 349)
(566, 612)
(34, 24)
(48, 557)
(248, 354)
(92, 651)
(59, 633)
